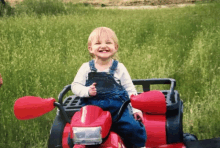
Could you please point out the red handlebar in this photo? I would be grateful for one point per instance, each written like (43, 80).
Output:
(30, 107)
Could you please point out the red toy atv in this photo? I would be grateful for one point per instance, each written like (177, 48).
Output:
(90, 126)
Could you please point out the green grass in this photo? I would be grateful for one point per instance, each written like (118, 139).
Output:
(41, 51)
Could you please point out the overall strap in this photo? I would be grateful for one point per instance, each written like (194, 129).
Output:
(113, 67)
(92, 66)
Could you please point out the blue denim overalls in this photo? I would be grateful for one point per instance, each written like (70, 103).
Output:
(110, 96)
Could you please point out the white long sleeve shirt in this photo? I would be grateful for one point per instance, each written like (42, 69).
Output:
(78, 85)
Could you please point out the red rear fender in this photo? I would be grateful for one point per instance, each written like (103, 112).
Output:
(153, 102)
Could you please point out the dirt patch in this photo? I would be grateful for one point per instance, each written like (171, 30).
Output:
(129, 4)
(148, 7)
(139, 2)
(135, 2)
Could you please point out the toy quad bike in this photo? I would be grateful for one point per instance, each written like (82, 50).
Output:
(90, 126)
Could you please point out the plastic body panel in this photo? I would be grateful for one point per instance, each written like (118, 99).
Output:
(113, 141)
(155, 126)
(153, 102)
(65, 135)
(93, 116)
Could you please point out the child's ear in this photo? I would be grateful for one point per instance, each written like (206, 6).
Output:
(116, 46)
(90, 49)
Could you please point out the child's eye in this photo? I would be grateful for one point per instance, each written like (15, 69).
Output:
(97, 43)
(109, 43)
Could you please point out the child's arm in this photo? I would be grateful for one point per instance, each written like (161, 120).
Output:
(127, 83)
(78, 85)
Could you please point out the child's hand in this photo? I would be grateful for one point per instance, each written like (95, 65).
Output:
(138, 116)
(92, 90)
(1, 81)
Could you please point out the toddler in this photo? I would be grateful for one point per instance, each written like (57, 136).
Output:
(106, 83)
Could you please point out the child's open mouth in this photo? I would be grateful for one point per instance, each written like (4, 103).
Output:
(103, 51)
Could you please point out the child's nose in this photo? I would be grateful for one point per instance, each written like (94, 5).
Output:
(103, 45)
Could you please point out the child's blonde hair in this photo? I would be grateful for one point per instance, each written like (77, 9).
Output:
(96, 34)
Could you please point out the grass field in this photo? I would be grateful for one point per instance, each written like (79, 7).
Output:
(43, 43)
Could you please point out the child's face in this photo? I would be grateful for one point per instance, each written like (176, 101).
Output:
(103, 48)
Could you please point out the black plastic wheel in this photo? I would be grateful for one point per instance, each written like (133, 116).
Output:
(56, 133)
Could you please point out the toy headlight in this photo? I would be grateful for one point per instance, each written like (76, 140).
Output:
(87, 135)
